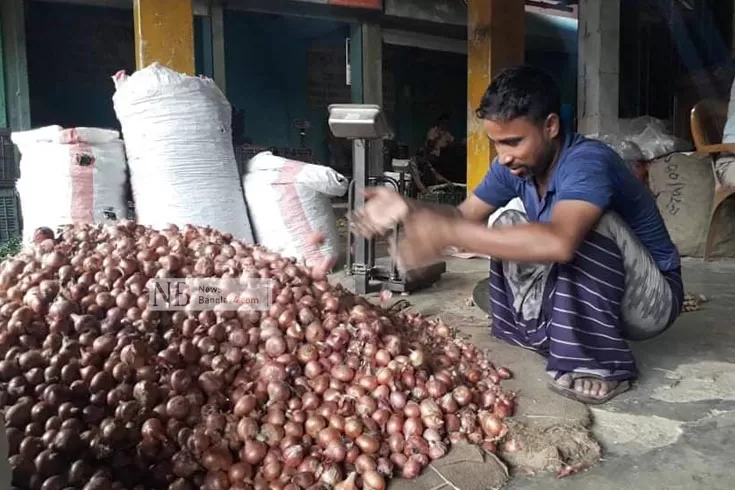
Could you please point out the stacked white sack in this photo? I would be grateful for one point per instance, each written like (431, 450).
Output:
(178, 139)
(70, 176)
(290, 202)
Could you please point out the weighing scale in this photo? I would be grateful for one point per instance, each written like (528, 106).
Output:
(364, 124)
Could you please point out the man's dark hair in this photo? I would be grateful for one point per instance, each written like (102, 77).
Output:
(521, 91)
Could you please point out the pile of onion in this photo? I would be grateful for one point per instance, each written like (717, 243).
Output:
(322, 390)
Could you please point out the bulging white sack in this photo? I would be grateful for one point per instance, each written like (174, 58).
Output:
(70, 176)
(178, 139)
(289, 202)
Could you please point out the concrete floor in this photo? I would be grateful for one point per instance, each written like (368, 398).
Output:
(675, 429)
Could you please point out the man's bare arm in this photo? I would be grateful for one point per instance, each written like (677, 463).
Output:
(556, 241)
(472, 209)
(384, 208)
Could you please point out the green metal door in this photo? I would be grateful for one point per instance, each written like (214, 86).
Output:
(3, 111)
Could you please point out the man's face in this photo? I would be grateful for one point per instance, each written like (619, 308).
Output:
(525, 147)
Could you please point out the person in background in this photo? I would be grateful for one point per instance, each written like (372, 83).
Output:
(423, 173)
(725, 161)
(439, 136)
(588, 266)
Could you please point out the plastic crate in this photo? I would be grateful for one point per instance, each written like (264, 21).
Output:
(452, 196)
(9, 214)
(243, 154)
(8, 166)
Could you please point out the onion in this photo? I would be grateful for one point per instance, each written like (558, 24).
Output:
(411, 468)
(366, 405)
(503, 409)
(365, 463)
(412, 409)
(293, 456)
(342, 373)
(348, 484)
(462, 395)
(490, 423)
(254, 452)
(275, 346)
(372, 480)
(437, 450)
(328, 436)
(353, 427)
(412, 427)
(367, 444)
(417, 358)
(315, 424)
(335, 452)
(436, 388)
(429, 408)
(291, 397)
(398, 400)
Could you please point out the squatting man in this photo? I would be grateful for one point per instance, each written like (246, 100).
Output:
(587, 267)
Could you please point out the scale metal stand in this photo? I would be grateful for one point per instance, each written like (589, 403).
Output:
(364, 123)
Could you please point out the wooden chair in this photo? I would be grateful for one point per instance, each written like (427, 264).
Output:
(708, 120)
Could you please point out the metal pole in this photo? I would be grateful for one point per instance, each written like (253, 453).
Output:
(360, 177)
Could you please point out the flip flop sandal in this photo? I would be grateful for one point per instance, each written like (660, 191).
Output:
(571, 393)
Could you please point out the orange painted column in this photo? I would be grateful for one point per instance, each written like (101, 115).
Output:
(496, 32)
(164, 32)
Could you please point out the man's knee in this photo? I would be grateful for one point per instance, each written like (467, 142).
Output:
(611, 225)
(510, 217)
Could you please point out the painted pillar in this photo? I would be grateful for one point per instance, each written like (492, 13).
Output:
(495, 37)
(164, 32)
(366, 56)
(598, 87)
(15, 64)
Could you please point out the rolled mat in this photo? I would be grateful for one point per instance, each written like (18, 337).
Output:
(481, 295)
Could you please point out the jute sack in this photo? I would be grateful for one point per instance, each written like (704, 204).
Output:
(683, 184)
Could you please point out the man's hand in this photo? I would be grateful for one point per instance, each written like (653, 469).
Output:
(323, 267)
(425, 236)
(384, 208)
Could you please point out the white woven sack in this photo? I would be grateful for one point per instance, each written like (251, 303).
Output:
(70, 176)
(289, 202)
(178, 139)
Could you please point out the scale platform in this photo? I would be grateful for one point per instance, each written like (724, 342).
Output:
(381, 277)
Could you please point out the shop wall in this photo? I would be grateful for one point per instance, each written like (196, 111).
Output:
(266, 63)
(73, 52)
(271, 75)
